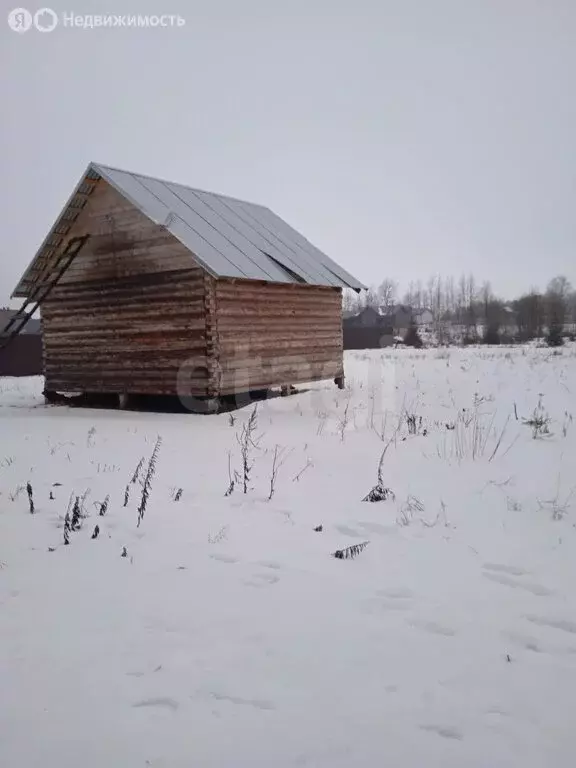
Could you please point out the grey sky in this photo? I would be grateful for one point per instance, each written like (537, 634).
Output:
(403, 137)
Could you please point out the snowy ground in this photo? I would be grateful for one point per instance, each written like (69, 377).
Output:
(229, 637)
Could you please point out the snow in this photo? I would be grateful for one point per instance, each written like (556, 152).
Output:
(229, 636)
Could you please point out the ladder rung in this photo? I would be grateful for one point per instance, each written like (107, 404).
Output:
(39, 292)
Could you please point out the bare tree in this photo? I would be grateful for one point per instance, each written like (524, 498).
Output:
(557, 295)
(450, 292)
(351, 301)
(418, 299)
(431, 291)
(529, 314)
(560, 286)
(486, 297)
(387, 292)
(461, 301)
(409, 296)
(572, 310)
(372, 299)
(470, 313)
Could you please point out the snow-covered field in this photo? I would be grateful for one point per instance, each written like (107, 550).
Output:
(230, 637)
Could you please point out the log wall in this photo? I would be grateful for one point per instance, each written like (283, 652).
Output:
(269, 334)
(129, 312)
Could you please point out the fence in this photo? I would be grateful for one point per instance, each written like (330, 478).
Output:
(366, 338)
(22, 357)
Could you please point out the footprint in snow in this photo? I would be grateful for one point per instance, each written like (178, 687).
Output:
(446, 731)
(138, 673)
(396, 594)
(497, 712)
(378, 529)
(433, 627)
(224, 558)
(510, 569)
(261, 579)
(163, 703)
(380, 605)
(563, 625)
(389, 600)
(534, 589)
(240, 701)
(269, 564)
(524, 641)
(345, 530)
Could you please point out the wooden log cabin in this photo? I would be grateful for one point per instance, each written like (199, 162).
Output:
(176, 291)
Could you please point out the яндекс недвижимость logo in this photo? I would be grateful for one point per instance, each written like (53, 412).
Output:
(21, 20)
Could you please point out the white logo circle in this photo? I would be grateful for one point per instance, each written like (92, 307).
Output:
(20, 20)
(45, 20)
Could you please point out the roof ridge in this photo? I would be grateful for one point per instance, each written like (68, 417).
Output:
(175, 183)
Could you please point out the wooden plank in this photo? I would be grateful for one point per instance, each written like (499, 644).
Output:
(118, 373)
(276, 363)
(176, 279)
(230, 326)
(266, 347)
(249, 314)
(111, 334)
(184, 372)
(165, 317)
(260, 380)
(275, 299)
(70, 385)
(128, 351)
(228, 288)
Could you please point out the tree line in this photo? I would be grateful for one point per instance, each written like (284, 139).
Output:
(476, 311)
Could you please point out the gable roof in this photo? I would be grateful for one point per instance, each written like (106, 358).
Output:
(226, 236)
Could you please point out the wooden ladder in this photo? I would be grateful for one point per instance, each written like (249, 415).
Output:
(40, 291)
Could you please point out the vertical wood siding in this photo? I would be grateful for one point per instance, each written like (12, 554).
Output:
(129, 314)
(269, 334)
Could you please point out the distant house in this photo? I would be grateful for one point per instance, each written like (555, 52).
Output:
(423, 317)
(369, 317)
(376, 327)
(398, 318)
(503, 318)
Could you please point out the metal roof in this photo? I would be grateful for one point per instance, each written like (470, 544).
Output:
(228, 237)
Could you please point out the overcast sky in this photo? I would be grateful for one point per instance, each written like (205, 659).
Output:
(403, 137)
